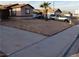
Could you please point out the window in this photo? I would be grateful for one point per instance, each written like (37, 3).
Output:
(27, 11)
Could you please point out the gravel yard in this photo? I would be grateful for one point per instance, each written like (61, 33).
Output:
(43, 27)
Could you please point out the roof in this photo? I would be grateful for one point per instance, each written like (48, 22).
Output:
(14, 6)
(2, 7)
(50, 10)
(30, 6)
(36, 10)
(58, 10)
(6, 6)
(20, 6)
(9, 6)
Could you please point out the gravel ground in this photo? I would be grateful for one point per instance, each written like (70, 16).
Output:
(43, 27)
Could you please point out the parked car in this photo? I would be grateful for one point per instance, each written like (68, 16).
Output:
(60, 18)
(38, 15)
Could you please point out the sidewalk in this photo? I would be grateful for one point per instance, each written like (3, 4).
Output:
(18, 43)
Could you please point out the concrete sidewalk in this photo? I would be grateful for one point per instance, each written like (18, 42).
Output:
(18, 43)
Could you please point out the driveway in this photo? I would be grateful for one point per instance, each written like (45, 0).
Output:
(19, 43)
(12, 39)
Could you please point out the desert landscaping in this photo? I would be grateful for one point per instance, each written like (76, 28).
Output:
(40, 26)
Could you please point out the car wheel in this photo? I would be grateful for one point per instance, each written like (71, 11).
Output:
(52, 19)
(66, 21)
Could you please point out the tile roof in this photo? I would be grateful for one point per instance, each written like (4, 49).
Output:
(50, 10)
(14, 6)
(20, 5)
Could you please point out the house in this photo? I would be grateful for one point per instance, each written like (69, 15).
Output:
(76, 13)
(57, 12)
(50, 11)
(15, 10)
(67, 13)
(21, 10)
(37, 13)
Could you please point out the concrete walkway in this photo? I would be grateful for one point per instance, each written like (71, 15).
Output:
(19, 43)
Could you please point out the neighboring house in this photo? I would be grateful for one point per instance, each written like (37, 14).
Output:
(67, 13)
(37, 13)
(21, 10)
(58, 12)
(50, 11)
(76, 13)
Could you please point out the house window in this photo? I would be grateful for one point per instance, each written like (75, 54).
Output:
(27, 11)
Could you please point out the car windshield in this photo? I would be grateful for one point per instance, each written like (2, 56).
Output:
(52, 15)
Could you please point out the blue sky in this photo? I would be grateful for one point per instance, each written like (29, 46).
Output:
(63, 5)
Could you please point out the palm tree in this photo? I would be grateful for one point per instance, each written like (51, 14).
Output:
(45, 5)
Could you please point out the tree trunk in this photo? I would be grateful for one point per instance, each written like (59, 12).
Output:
(46, 16)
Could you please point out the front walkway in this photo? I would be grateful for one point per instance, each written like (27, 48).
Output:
(19, 43)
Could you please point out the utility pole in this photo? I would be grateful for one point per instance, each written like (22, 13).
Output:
(53, 5)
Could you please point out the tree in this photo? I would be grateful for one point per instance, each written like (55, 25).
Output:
(70, 14)
(45, 5)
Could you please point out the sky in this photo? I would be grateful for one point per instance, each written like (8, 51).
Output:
(63, 5)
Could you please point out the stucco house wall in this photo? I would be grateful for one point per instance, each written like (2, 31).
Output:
(26, 11)
(16, 12)
(22, 10)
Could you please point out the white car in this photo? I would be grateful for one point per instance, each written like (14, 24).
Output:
(61, 18)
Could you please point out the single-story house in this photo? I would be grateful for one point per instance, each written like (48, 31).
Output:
(15, 10)
(50, 11)
(76, 13)
(67, 13)
(21, 10)
(58, 12)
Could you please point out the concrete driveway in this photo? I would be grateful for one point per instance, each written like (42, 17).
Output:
(12, 39)
(19, 43)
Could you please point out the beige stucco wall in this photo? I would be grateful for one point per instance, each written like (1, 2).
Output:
(22, 11)
(17, 11)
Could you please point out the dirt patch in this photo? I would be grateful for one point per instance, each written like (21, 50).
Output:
(38, 26)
